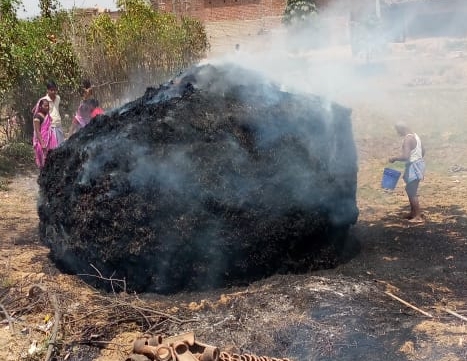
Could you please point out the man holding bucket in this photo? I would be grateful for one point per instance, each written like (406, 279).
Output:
(412, 154)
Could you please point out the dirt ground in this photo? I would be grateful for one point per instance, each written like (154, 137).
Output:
(401, 297)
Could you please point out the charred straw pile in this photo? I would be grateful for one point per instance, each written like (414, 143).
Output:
(217, 177)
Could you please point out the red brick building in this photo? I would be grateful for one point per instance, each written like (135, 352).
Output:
(218, 10)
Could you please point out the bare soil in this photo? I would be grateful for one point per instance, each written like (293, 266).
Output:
(346, 313)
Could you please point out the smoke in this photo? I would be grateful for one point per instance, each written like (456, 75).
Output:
(342, 54)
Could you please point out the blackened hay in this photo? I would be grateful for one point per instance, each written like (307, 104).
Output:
(217, 177)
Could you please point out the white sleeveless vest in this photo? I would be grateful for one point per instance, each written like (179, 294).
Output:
(416, 153)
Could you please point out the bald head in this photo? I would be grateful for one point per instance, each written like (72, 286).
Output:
(402, 129)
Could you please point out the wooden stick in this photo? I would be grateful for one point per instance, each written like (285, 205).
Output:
(53, 335)
(455, 314)
(408, 304)
(7, 316)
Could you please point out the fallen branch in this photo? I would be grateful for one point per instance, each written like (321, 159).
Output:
(53, 336)
(150, 310)
(455, 314)
(34, 290)
(408, 304)
(110, 279)
(111, 83)
(7, 316)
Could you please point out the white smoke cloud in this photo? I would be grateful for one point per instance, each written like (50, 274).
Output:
(321, 61)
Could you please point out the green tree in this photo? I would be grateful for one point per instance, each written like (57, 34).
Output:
(299, 12)
(303, 25)
(8, 24)
(33, 51)
(122, 55)
(48, 7)
(142, 47)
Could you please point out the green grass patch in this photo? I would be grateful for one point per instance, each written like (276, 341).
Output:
(18, 152)
(7, 165)
(14, 156)
(4, 182)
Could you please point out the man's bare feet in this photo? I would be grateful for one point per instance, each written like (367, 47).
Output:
(408, 216)
(416, 220)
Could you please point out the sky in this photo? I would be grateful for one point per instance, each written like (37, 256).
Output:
(31, 7)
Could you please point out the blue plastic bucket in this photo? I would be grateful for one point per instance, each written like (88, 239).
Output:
(390, 178)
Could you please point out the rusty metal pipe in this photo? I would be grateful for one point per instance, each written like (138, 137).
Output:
(159, 353)
(210, 353)
(155, 340)
(163, 353)
(224, 356)
(140, 346)
(205, 352)
(182, 353)
(188, 338)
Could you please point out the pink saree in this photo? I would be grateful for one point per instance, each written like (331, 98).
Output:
(48, 136)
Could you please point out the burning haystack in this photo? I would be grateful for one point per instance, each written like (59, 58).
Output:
(215, 178)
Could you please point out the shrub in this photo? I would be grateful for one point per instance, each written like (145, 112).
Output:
(19, 152)
(299, 12)
(140, 48)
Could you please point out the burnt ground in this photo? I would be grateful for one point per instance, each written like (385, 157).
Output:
(345, 313)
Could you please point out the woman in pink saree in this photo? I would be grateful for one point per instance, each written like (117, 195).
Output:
(44, 138)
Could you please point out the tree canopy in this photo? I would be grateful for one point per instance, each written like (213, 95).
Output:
(127, 52)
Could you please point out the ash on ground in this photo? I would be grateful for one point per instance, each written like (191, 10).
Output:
(215, 178)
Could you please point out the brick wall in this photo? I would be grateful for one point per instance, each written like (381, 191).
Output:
(220, 10)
